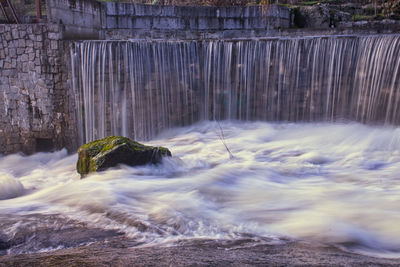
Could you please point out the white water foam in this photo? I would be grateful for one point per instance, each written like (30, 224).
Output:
(328, 183)
(9, 187)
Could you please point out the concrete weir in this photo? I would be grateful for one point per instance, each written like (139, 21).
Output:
(41, 75)
(37, 101)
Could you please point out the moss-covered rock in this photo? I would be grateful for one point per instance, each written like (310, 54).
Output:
(113, 150)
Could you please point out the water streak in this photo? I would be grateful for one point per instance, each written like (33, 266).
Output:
(328, 183)
(137, 88)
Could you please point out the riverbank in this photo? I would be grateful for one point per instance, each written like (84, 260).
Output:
(198, 253)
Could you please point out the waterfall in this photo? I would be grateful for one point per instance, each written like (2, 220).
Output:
(138, 88)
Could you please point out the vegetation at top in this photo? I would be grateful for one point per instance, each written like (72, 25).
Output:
(371, 9)
(252, 2)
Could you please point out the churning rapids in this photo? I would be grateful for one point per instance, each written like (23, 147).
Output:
(335, 183)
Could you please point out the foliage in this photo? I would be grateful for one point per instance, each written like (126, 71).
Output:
(358, 17)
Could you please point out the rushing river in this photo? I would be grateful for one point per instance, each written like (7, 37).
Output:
(329, 183)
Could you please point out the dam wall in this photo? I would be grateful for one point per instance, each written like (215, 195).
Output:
(89, 19)
(37, 101)
(40, 109)
(124, 21)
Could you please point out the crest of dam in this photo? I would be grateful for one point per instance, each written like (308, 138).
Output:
(138, 88)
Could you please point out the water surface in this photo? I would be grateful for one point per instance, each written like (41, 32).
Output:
(329, 183)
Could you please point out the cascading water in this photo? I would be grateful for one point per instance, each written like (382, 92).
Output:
(326, 179)
(137, 88)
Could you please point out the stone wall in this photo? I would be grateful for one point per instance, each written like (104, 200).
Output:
(33, 89)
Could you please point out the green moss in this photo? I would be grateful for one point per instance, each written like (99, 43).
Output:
(357, 17)
(110, 142)
(309, 3)
(92, 155)
(288, 6)
(164, 151)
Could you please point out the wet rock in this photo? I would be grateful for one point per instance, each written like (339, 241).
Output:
(4, 244)
(113, 150)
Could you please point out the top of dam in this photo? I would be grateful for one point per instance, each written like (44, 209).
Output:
(94, 20)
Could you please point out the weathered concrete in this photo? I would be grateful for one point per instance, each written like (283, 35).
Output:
(169, 22)
(128, 16)
(36, 96)
(89, 19)
(81, 18)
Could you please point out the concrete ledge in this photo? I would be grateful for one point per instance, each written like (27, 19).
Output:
(89, 19)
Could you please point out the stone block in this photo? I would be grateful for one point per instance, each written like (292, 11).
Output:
(54, 35)
(193, 23)
(142, 23)
(31, 56)
(208, 24)
(7, 36)
(233, 23)
(144, 10)
(54, 45)
(29, 43)
(168, 11)
(24, 58)
(15, 34)
(168, 23)
(53, 28)
(7, 65)
(230, 12)
(22, 34)
(37, 45)
(110, 8)
(25, 68)
(122, 22)
(125, 9)
(111, 22)
(12, 52)
(20, 50)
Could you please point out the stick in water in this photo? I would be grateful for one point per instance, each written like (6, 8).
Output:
(222, 138)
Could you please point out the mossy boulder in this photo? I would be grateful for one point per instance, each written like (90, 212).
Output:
(113, 150)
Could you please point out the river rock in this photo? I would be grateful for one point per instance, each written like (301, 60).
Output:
(113, 150)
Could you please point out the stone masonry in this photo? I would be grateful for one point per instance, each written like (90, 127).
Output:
(33, 79)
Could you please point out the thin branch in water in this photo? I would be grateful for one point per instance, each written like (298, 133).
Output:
(222, 138)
